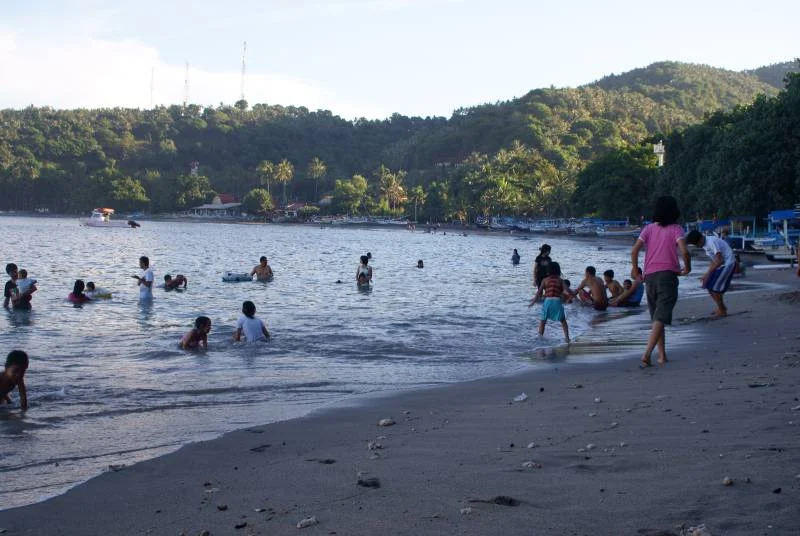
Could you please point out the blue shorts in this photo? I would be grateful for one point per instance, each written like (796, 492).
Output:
(552, 309)
(720, 278)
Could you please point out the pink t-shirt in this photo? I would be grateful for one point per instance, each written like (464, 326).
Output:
(662, 248)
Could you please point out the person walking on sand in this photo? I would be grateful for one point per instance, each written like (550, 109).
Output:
(663, 239)
(720, 271)
(540, 265)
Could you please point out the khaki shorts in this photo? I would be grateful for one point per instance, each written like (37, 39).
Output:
(662, 294)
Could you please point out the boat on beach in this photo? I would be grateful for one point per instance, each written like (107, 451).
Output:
(101, 217)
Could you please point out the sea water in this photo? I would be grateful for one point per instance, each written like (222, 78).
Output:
(108, 384)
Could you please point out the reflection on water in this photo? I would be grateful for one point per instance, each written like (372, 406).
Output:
(108, 383)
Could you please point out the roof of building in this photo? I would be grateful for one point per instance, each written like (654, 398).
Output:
(217, 206)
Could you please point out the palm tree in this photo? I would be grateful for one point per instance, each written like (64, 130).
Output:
(391, 186)
(284, 172)
(316, 170)
(417, 196)
(265, 170)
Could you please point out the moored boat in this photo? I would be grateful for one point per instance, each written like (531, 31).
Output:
(101, 217)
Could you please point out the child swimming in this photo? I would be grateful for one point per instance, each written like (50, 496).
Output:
(197, 336)
(14, 376)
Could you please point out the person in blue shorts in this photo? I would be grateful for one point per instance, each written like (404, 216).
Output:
(720, 271)
(552, 289)
(632, 293)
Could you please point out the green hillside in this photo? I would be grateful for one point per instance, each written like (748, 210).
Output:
(516, 157)
(775, 74)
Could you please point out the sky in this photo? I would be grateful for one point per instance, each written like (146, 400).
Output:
(363, 58)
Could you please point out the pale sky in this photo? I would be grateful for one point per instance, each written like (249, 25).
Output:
(364, 58)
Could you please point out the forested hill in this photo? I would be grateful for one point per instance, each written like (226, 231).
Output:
(775, 74)
(515, 157)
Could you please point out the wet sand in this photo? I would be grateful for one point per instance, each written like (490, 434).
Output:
(595, 449)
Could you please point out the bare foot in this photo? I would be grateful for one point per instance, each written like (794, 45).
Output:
(645, 363)
(662, 360)
(719, 313)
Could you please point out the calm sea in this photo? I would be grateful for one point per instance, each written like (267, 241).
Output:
(108, 385)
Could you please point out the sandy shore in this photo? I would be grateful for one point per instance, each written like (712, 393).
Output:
(596, 449)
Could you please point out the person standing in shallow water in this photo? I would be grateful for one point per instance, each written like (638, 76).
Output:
(515, 257)
(663, 239)
(145, 281)
(540, 265)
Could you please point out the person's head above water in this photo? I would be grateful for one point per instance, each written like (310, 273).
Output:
(420, 264)
(364, 259)
(90, 285)
(11, 269)
(78, 287)
(544, 250)
(515, 251)
(262, 260)
(369, 255)
(144, 262)
(167, 278)
(248, 309)
(203, 323)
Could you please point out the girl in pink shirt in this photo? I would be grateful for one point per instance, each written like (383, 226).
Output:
(663, 239)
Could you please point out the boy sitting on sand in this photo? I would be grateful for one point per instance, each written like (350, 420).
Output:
(720, 271)
(553, 290)
(632, 293)
(612, 285)
(14, 376)
(596, 295)
(197, 336)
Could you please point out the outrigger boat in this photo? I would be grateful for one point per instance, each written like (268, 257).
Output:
(101, 217)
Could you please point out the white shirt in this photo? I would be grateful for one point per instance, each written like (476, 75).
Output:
(145, 292)
(252, 328)
(714, 245)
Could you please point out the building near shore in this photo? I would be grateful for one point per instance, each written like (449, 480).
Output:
(222, 206)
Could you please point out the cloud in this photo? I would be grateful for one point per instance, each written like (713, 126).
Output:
(67, 71)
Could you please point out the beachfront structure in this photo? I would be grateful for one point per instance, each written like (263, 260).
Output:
(658, 149)
(222, 206)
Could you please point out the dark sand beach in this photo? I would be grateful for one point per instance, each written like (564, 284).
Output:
(594, 450)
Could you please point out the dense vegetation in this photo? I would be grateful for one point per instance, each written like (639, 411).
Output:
(520, 157)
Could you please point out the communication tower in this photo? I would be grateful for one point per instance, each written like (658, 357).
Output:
(244, 68)
(186, 86)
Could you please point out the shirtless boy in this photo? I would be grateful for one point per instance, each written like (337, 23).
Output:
(14, 376)
(612, 285)
(262, 271)
(596, 295)
(171, 283)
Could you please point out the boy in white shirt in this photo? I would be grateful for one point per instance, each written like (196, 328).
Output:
(720, 270)
(248, 325)
(145, 282)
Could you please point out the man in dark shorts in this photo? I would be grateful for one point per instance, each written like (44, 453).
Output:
(596, 295)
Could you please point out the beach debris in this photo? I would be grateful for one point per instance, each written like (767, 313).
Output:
(593, 414)
(261, 448)
(541, 389)
(532, 445)
(466, 511)
(777, 490)
(211, 490)
(374, 445)
(522, 397)
(116, 467)
(369, 482)
(598, 400)
(590, 446)
(386, 422)
(531, 465)
(259, 510)
(307, 522)
(699, 530)
(502, 500)
(613, 424)
(375, 456)
(406, 412)
(727, 481)
(240, 525)
(222, 507)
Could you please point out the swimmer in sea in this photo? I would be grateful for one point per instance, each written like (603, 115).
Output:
(364, 272)
(197, 337)
(262, 270)
(14, 377)
(171, 283)
(77, 297)
(420, 264)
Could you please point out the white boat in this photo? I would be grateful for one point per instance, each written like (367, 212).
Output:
(101, 217)
(618, 231)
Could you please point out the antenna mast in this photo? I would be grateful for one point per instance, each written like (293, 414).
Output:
(244, 68)
(186, 86)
